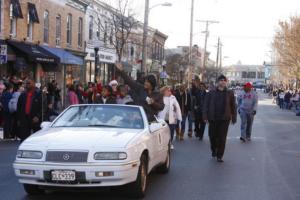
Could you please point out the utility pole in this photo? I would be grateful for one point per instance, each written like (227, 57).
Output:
(221, 56)
(207, 22)
(191, 42)
(217, 60)
(145, 35)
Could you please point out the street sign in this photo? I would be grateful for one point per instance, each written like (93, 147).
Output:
(3, 54)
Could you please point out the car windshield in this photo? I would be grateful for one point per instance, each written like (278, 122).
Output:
(101, 116)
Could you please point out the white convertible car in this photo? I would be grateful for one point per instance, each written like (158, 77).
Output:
(94, 146)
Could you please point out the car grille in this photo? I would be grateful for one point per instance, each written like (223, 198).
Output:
(66, 156)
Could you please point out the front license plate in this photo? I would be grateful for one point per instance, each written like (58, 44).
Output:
(63, 175)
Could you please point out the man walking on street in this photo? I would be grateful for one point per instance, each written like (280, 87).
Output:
(247, 106)
(199, 93)
(219, 109)
(29, 110)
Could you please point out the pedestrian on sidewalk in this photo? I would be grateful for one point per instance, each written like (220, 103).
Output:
(29, 110)
(171, 112)
(247, 107)
(219, 109)
(7, 116)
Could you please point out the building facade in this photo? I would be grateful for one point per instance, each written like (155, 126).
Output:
(45, 39)
(240, 74)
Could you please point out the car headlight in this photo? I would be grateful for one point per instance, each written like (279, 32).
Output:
(110, 156)
(29, 154)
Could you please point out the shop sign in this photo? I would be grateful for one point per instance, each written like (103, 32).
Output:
(3, 54)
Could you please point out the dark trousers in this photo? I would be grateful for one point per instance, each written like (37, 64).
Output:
(217, 135)
(7, 125)
(199, 125)
(27, 127)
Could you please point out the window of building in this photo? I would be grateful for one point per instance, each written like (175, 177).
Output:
(29, 28)
(58, 30)
(98, 28)
(80, 29)
(69, 29)
(111, 36)
(105, 33)
(46, 26)
(13, 22)
(261, 75)
(91, 25)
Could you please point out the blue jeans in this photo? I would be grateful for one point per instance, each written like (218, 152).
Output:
(172, 130)
(246, 124)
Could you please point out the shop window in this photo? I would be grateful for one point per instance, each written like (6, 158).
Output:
(80, 27)
(46, 26)
(91, 25)
(69, 29)
(58, 31)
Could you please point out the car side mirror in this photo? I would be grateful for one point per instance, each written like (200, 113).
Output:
(45, 125)
(155, 127)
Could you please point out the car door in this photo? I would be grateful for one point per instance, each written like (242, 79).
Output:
(156, 142)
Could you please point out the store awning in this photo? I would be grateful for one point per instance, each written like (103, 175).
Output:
(33, 15)
(34, 53)
(65, 56)
(16, 8)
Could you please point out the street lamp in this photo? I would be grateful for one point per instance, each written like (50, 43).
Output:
(145, 31)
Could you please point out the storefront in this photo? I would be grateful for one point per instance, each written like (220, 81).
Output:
(31, 60)
(71, 68)
(105, 71)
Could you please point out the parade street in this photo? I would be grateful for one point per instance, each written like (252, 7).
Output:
(267, 168)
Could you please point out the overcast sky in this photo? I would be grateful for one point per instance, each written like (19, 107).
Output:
(246, 27)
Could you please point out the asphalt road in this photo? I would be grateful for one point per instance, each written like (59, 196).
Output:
(268, 168)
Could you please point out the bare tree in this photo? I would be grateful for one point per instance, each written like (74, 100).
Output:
(287, 46)
(117, 25)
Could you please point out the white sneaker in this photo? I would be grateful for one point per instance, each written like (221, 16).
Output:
(172, 147)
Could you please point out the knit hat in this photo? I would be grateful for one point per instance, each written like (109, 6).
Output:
(248, 85)
(152, 80)
(113, 82)
(222, 77)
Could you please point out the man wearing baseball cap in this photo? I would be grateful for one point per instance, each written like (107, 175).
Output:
(247, 106)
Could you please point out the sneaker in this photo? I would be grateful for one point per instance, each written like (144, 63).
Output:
(249, 139)
(242, 139)
(220, 160)
(172, 147)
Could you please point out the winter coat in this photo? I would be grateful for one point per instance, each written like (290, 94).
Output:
(72, 98)
(209, 106)
(139, 96)
(109, 100)
(125, 100)
(5, 98)
(174, 110)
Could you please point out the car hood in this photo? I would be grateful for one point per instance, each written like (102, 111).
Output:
(81, 138)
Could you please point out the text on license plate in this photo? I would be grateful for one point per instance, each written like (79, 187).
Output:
(63, 175)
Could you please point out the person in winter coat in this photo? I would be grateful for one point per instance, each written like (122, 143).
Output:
(145, 94)
(219, 109)
(106, 96)
(199, 93)
(29, 110)
(12, 105)
(171, 112)
(72, 98)
(247, 107)
(124, 97)
(7, 116)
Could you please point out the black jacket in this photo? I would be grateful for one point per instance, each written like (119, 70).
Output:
(139, 96)
(109, 100)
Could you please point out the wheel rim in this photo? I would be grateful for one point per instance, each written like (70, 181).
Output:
(143, 177)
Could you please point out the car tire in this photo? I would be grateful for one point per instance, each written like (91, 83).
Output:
(33, 189)
(138, 188)
(165, 167)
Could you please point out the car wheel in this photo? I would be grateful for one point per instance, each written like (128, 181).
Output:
(138, 188)
(165, 168)
(33, 189)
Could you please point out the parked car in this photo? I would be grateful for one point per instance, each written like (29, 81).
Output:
(94, 146)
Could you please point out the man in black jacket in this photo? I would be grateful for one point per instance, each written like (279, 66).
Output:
(144, 95)
(199, 94)
(219, 109)
(29, 110)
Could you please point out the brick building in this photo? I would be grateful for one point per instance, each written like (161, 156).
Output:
(45, 39)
